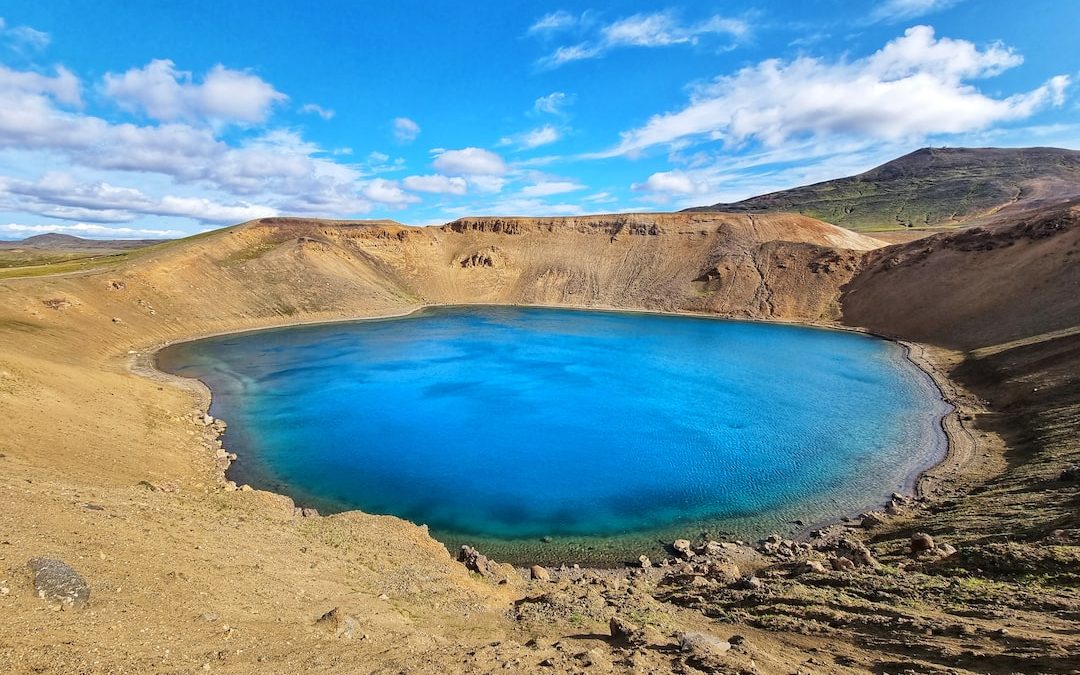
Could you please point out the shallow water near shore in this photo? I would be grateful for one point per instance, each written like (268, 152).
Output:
(546, 435)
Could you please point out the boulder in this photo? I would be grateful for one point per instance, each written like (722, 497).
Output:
(921, 541)
(540, 573)
(872, 519)
(1071, 474)
(682, 548)
(644, 561)
(58, 584)
(702, 647)
(627, 633)
(724, 571)
(748, 583)
(811, 567)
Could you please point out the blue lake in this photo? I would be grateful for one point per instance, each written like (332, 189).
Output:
(558, 435)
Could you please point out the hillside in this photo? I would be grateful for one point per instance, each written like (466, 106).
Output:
(932, 187)
(121, 476)
(57, 241)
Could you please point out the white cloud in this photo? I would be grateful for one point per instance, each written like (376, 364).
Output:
(315, 109)
(89, 230)
(486, 184)
(670, 182)
(63, 87)
(902, 10)
(388, 192)
(553, 22)
(405, 130)
(657, 29)
(914, 87)
(554, 103)
(533, 138)
(548, 188)
(468, 162)
(164, 93)
(437, 184)
(59, 195)
(23, 38)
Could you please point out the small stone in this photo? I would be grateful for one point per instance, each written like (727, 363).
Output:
(921, 541)
(246, 488)
(540, 573)
(56, 582)
(682, 548)
(644, 561)
(749, 583)
(736, 640)
(308, 512)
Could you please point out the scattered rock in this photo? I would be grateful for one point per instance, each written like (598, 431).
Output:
(308, 512)
(748, 583)
(625, 632)
(540, 573)
(724, 571)
(811, 567)
(644, 561)
(702, 647)
(117, 319)
(57, 583)
(682, 548)
(872, 519)
(1071, 474)
(920, 541)
(341, 624)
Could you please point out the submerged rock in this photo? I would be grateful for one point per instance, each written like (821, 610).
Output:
(58, 583)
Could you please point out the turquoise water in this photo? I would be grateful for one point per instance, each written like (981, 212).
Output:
(557, 435)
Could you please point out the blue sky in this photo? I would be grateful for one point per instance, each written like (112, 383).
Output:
(169, 118)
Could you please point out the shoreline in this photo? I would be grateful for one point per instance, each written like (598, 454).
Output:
(959, 445)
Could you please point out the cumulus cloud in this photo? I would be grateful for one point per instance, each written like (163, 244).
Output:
(388, 192)
(548, 188)
(315, 109)
(405, 130)
(165, 93)
(63, 87)
(469, 162)
(915, 86)
(554, 103)
(902, 10)
(437, 184)
(670, 182)
(656, 29)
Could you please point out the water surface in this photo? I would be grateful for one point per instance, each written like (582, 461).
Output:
(557, 435)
